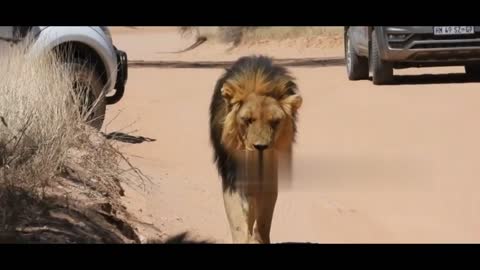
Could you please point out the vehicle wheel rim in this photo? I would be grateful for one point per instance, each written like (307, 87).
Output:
(349, 57)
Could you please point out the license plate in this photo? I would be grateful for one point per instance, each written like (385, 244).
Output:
(453, 30)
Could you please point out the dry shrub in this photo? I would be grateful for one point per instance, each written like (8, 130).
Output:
(250, 34)
(39, 116)
(219, 34)
(44, 134)
(290, 32)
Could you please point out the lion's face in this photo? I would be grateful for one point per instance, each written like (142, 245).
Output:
(261, 105)
(259, 121)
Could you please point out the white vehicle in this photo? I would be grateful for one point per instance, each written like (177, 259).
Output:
(90, 51)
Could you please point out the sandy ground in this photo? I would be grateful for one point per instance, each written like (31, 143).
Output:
(372, 163)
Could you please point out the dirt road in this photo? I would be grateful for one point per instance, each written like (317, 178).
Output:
(372, 163)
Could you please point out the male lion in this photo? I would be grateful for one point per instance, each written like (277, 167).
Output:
(252, 128)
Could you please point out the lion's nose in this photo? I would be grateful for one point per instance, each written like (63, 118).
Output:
(260, 147)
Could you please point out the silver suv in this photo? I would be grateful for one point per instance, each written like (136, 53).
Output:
(380, 49)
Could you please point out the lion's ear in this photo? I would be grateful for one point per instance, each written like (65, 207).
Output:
(227, 93)
(290, 100)
(230, 95)
(292, 103)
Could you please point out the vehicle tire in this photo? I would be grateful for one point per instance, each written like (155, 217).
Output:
(88, 85)
(473, 71)
(382, 71)
(357, 66)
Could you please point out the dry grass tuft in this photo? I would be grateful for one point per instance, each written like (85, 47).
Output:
(39, 117)
(45, 140)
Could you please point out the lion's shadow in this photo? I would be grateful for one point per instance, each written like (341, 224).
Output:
(184, 238)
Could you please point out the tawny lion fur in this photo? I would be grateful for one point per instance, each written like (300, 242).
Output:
(252, 128)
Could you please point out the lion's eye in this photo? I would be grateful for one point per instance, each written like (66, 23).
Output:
(274, 123)
(248, 120)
